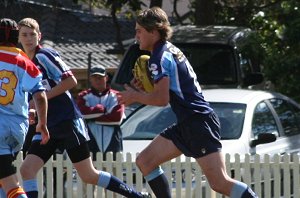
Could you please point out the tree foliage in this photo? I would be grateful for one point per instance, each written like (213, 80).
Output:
(277, 23)
(115, 6)
(279, 27)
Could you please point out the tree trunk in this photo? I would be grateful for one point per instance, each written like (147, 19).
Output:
(157, 3)
(117, 25)
(204, 12)
(176, 13)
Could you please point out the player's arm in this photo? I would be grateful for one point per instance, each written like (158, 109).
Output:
(65, 85)
(41, 106)
(158, 97)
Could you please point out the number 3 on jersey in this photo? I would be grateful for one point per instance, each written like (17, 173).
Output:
(8, 83)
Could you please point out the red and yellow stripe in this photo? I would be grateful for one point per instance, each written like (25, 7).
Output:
(15, 192)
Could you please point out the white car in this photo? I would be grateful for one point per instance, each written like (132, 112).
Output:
(253, 122)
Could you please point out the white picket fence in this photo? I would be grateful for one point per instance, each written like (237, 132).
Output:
(270, 176)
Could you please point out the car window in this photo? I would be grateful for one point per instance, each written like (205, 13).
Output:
(146, 123)
(288, 115)
(213, 64)
(263, 120)
(231, 117)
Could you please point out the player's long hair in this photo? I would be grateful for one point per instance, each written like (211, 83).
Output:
(155, 19)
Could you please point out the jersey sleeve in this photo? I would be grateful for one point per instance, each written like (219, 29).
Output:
(161, 66)
(32, 78)
(55, 67)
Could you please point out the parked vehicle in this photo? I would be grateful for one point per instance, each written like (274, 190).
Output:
(253, 122)
(221, 56)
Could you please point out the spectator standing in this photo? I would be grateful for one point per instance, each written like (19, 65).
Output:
(19, 77)
(65, 123)
(102, 112)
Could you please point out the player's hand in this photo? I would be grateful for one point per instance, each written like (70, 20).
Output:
(137, 84)
(126, 97)
(42, 128)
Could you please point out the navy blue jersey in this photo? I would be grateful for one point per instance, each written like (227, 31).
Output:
(185, 93)
(54, 70)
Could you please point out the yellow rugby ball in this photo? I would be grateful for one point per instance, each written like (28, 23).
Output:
(141, 72)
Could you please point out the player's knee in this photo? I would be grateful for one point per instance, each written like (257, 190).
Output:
(139, 162)
(86, 179)
(219, 186)
(143, 164)
(89, 178)
(26, 171)
(23, 170)
(216, 187)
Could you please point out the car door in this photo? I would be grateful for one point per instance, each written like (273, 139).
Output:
(265, 121)
(288, 113)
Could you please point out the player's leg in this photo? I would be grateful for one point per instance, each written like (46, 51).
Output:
(30, 133)
(75, 138)
(2, 192)
(206, 148)
(29, 169)
(12, 132)
(37, 156)
(157, 152)
(83, 164)
(8, 178)
(213, 166)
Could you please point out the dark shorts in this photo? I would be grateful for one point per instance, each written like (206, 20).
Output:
(196, 136)
(6, 166)
(65, 135)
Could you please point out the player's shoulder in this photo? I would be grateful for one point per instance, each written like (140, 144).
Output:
(48, 52)
(26, 64)
(159, 51)
(29, 67)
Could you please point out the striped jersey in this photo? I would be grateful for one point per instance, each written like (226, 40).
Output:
(54, 70)
(185, 93)
(18, 77)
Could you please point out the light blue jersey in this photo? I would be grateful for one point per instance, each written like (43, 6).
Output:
(18, 77)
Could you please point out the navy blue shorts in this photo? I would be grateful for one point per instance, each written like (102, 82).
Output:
(65, 135)
(196, 136)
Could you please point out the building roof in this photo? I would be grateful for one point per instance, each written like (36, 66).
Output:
(73, 33)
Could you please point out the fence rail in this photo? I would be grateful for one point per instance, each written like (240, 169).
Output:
(270, 176)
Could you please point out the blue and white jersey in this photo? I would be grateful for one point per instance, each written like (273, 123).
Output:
(185, 93)
(18, 77)
(54, 70)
